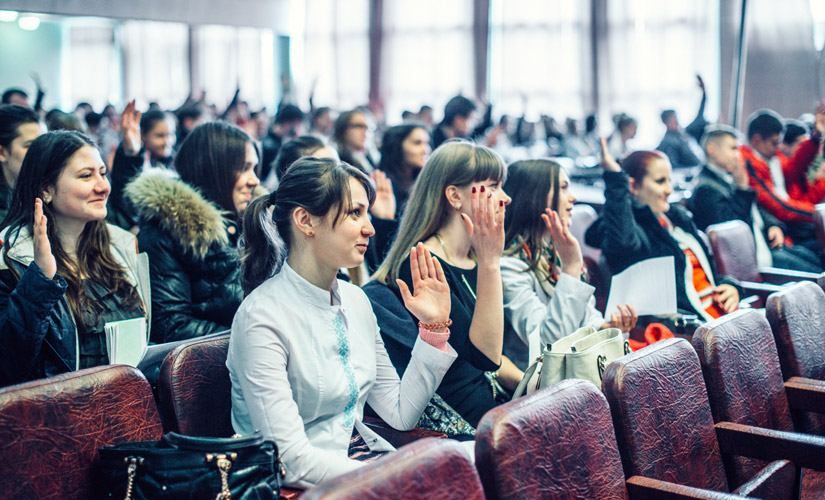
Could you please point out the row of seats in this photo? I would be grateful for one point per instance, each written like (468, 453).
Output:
(558, 443)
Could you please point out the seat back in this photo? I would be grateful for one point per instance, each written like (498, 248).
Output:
(428, 468)
(797, 317)
(195, 391)
(555, 443)
(743, 378)
(734, 250)
(51, 429)
(662, 417)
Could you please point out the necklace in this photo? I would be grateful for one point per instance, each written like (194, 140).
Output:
(447, 258)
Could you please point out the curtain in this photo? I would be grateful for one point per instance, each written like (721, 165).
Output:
(540, 57)
(651, 56)
(91, 45)
(427, 55)
(156, 60)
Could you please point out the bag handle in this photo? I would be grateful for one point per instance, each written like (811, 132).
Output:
(211, 444)
(521, 389)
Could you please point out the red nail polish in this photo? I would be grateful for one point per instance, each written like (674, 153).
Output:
(501, 203)
(482, 189)
(474, 189)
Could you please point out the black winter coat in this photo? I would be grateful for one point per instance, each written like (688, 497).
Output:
(194, 263)
(628, 232)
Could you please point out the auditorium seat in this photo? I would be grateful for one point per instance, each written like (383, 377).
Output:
(745, 386)
(734, 253)
(428, 468)
(665, 429)
(797, 318)
(51, 429)
(819, 222)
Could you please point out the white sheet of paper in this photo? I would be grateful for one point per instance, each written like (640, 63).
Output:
(126, 341)
(649, 286)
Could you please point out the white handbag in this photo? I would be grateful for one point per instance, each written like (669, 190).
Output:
(584, 354)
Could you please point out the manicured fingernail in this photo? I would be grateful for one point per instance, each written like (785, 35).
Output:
(482, 189)
(501, 203)
(474, 189)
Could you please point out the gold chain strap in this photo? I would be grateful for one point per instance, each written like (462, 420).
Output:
(131, 472)
(224, 463)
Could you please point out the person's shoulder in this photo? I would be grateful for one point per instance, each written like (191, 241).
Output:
(120, 236)
(513, 263)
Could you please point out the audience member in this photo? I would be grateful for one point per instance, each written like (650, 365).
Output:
(638, 223)
(625, 130)
(723, 193)
(190, 228)
(305, 145)
(64, 271)
(457, 120)
(305, 353)
(19, 127)
(404, 152)
(545, 297)
(456, 209)
(350, 136)
(321, 123)
(681, 146)
(287, 125)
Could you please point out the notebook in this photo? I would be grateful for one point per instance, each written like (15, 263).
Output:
(126, 341)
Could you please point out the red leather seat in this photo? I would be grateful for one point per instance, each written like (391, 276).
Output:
(797, 318)
(51, 429)
(665, 429)
(744, 381)
(194, 388)
(556, 443)
(428, 468)
(734, 253)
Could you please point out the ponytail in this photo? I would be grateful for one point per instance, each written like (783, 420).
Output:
(263, 250)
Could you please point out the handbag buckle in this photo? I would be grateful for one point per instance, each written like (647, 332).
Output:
(224, 462)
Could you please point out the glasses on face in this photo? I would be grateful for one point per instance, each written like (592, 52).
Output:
(362, 126)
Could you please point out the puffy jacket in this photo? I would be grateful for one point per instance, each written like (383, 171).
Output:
(38, 336)
(194, 263)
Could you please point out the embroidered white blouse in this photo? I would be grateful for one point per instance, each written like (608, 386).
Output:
(303, 361)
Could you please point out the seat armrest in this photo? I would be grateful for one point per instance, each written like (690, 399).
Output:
(804, 450)
(399, 438)
(779, 276)
(770, 482)
(761, 290)
(645, 488)
(805, 394)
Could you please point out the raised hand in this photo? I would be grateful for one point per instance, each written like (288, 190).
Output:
(609, 164)
(564, 243)
(486, 225)
(820, 116)
(130, 127)
(700, 82)
(726, 297)
(384, 206)
(624, 318)
(43, 256)
(430, 302)
(776, 237)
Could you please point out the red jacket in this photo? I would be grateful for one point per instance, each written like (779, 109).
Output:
(802, 196)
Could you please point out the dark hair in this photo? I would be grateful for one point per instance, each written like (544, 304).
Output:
(318, 185)
(457, 106)
(189, 111)
(318, 112)
(60, 120)
(10, 92)
(667, 115)
(716, 132)
(794, 129)
(288, 113)
(392, 153)
(635, 164)
(339, 129)
(623, 120)
(291, 150)
(150, 118)
(11, 117)
(590, 123)
(42, 166)
(211, 158)
(764, 122)
(528, 183)
(425, 107)
(93, 119)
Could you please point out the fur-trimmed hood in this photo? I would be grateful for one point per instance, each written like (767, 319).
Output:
(179, 210)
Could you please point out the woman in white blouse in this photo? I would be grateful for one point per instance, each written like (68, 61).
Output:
(545, 297)
(305, 353)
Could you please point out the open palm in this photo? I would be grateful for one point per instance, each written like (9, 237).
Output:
(430, 302)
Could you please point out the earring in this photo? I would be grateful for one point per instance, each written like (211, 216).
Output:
(310, 233)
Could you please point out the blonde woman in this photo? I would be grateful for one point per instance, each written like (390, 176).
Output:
(457, 210)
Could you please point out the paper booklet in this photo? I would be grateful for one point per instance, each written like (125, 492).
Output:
(649, 286)
(126, 341)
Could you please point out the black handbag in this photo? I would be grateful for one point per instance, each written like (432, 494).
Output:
(185, 467)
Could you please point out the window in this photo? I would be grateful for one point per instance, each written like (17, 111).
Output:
(156, 59)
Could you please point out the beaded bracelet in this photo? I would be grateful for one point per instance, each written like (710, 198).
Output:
(439, 325)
